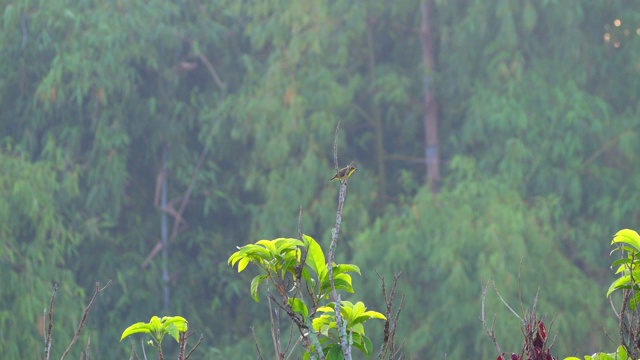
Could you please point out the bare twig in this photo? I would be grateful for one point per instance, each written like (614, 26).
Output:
(507, 305)
(615, 311)
(144, 352)
(278, 343)
(519, 285)
(394, 326)
(255, 340)
(483, 319)
(388, 346)
(294, 346)
(293, 316)
(288, 347)
(183, 344)
(274, 316)
(133, 351)
(86, 351)
(194, 347)
(84, 317)
(47, 343)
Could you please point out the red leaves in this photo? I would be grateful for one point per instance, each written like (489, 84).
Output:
(534, 345)
(541, 336)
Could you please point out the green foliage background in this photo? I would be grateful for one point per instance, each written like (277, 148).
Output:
(538, 120)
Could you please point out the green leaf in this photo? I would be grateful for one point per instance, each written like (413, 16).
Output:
(315, 257)
(334, 352)
(254, 286)
(358, 309)
(344, 268)
(285, 245)
(157, 327)
(621, 262)
(622, 353)
(624, 282)
(180, 322)
(136, 328)
(155, 324)
(629, 237)
(172, 330)
(374, 315)
(307, 277)
(289, 265)
(299, 307)
(347, 313)
(357, 328)
(326, 309)
(269, 244)
(621, 283)
(343, 282)
(365, 345)
(635, 300)
(242, 264)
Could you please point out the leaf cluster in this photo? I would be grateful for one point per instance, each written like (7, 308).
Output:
(294, 265)
(158, 328)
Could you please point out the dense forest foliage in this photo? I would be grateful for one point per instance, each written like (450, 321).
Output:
(537, 145)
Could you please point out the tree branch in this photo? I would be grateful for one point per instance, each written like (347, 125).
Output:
(84, 317)
(47, 342)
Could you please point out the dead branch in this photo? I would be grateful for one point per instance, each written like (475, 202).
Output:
(194, 347)
(86, 351)
(389, 342)
(483, 319)
(47, 343)
(84, 317)
(255, 340)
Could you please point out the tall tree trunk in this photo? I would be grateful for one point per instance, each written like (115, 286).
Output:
(432, 153)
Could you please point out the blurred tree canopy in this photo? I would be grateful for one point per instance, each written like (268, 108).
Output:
(538, 127)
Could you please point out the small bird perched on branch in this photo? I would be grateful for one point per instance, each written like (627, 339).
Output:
(345, 172)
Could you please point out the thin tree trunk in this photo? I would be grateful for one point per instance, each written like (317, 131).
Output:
(432, 153)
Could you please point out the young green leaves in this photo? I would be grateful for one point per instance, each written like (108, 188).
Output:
(158, 328)
(275, 258)
(302, 263)
(629, 265)
(354, 316)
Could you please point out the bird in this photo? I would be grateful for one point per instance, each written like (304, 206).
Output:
(344, 173)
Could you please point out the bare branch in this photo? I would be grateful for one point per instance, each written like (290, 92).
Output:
(255, 341)
(183, 345)
(84, 317)
(507, 305)
(194, 347)
(483, 319)
(294, 346)
(288, 347)
(86, 351)
(47, 343)
(133, 351)
(388, 343)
